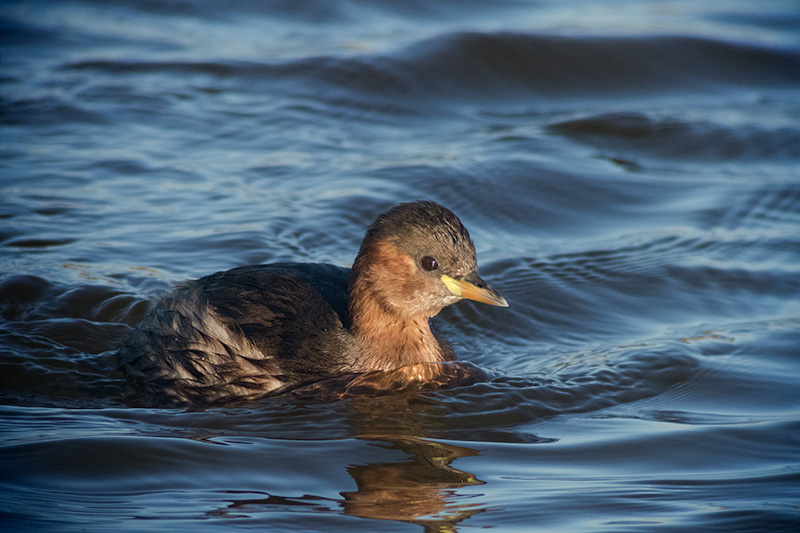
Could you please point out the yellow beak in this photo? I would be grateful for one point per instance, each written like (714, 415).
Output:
(472, 287)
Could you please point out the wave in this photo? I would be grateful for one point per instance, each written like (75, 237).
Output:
(633, 134)
(491, 65)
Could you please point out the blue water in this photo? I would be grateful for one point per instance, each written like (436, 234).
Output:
(629, 172)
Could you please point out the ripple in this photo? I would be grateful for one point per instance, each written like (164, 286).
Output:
(38, 243)
(670, 138)
(47, 111)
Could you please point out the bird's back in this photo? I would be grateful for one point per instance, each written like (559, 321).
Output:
(242, 334)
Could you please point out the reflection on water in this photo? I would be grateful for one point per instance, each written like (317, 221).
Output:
(419, 490)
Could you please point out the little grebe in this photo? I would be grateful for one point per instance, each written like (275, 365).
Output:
(258, 330)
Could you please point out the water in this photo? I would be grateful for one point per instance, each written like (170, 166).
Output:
(629, 172)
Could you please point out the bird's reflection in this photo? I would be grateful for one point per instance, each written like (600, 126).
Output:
(420, 490)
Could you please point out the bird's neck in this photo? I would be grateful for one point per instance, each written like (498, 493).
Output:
(389, 337)
(391, 345)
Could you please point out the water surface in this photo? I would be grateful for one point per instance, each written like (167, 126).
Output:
(629, 172)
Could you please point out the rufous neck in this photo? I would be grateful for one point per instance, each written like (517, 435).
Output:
(390, 337)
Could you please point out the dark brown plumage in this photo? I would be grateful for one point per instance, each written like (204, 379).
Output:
(259, 330)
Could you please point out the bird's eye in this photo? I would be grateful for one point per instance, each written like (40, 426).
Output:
(428, 263)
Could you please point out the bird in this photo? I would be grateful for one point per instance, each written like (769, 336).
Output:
(262, 330)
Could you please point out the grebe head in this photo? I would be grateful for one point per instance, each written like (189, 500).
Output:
(418, 258)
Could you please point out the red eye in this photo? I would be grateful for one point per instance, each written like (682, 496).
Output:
(428, 263)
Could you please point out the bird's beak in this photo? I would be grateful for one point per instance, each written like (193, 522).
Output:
(473, 287)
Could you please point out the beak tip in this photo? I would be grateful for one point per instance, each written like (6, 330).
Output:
(497, 301)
